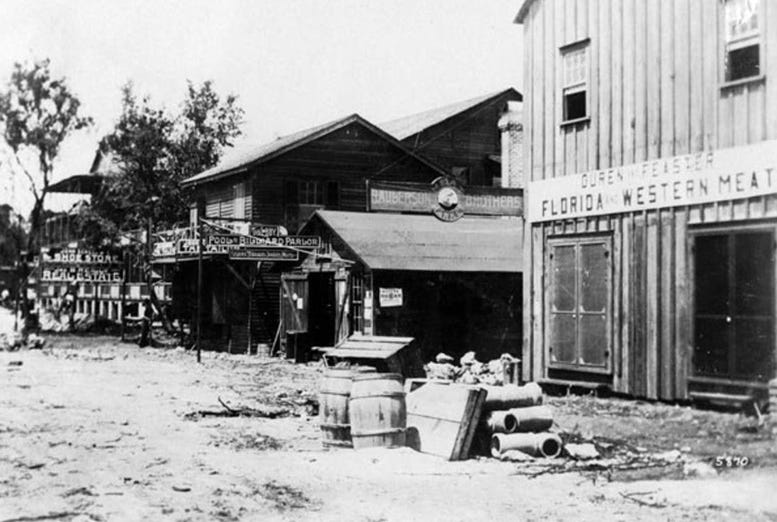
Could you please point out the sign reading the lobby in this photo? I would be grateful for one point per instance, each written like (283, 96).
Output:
(693, 179)
(445, 199)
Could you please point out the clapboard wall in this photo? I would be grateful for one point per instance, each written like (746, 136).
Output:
(656, 89)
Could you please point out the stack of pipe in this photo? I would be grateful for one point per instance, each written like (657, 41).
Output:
(516, 420)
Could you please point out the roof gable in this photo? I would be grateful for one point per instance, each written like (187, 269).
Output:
(243, 160)
(407, 126)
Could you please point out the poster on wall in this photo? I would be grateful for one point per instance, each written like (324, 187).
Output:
(390, 297)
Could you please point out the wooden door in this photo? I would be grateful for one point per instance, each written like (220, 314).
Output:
(734, 304)
(294, 303)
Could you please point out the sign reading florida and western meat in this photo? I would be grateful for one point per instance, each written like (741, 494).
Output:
(693, 179)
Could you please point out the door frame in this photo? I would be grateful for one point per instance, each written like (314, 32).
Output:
(718, 229)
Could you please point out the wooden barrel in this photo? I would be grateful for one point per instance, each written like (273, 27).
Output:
(333, 395)
(378, 412)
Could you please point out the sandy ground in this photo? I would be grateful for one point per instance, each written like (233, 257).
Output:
(94, 430)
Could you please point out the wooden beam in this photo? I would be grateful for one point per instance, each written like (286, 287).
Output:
(236, 274)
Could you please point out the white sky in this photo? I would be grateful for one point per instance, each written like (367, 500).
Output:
(293, 63)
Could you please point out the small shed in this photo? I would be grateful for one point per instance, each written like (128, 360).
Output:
(454, 287)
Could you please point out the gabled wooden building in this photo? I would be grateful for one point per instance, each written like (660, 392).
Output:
(650, 133)
(281, 184)
(463, 137)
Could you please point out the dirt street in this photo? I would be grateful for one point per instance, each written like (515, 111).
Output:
(91, 429)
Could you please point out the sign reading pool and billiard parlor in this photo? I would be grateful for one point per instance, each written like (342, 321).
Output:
(692, 179)
(446, 199)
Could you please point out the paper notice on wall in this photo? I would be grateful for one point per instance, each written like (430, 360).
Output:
(389, 297)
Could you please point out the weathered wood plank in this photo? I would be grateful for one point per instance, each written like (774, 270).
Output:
(653, 78)
(682, 326)
(640, 82)
(681, 67)
(653, 276)
(667, 299)
(666, 71)
(710, 74)
(696, 76)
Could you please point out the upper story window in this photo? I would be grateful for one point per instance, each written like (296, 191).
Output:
(574, 88)
(743, 39)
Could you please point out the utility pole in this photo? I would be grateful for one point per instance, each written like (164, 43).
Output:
(199, 287)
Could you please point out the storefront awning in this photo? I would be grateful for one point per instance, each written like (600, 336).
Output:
(384, 241)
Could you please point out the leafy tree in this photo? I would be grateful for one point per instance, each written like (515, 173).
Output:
(12, 236)
(154, 151)
(37, 113)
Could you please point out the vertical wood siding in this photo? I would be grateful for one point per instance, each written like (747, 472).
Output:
(655, 70)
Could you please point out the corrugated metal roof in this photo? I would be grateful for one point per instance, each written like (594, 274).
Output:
(407, 126)
(238, 160)
(385, 241)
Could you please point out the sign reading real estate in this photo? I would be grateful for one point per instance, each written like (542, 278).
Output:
(79, 265)
(445, 199)
(692, 179)
(390, 297)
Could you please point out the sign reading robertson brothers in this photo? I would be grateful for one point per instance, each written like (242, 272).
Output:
(445, 199)
(693, 179)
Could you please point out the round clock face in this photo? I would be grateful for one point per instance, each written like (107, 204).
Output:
(447, 198)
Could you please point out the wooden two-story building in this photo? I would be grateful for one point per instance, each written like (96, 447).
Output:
(650, 133)
(281, 184)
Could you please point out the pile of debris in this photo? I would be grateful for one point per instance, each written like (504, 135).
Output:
(13, 341)
(470, 370)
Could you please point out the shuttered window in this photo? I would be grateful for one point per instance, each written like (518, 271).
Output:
(578, 305)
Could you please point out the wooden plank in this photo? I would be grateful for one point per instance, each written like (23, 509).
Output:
(696, 78)
(441, 418)
(628, 10)
(616, 305)
(550, 91)
(756, 113)
(681, 67)
(616, 113)
(640, 82)
(711, 54)
(380, 338)
(560, 19)
(588, 142)
(653, 78)
(639, 308)
(683, 326)
(740, 114)
(666, 71)
(653, 277)
(602, 125)
(668, 299)
(626, 321)
(538, 88)
(540, 358)
(770, 94)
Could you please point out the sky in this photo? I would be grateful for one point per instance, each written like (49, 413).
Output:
(293, 63)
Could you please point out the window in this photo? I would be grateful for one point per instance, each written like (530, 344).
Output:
(743, 40)
(579, 302)
(310, 193)
(574, 89)
(332, 195)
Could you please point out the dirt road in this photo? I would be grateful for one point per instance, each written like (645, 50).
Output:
(94, 430)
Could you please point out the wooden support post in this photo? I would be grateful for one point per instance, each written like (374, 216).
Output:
(199, 289)
(123, 310)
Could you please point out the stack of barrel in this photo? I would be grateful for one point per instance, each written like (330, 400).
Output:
(361, 408)
(516, 419)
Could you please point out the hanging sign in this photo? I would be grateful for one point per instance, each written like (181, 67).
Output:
(446, 199)
(79, 256)
(390, 297)
(263, 254)
(692, 179)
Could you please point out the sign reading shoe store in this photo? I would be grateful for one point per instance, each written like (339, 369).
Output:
(692, 179)
(446, 199)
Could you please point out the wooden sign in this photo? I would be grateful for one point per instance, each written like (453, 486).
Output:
(445, 199)
(79, 256)
(692, 179)
(264, 254)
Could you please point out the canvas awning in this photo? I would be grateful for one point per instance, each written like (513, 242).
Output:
(384, 241)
